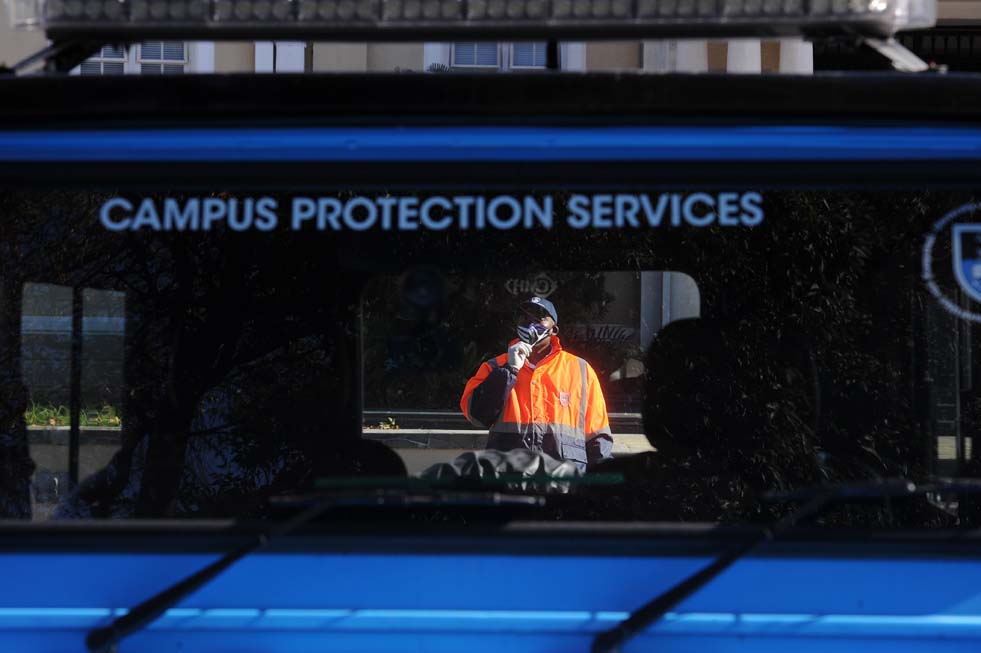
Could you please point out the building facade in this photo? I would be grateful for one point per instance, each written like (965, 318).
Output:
(956, 42)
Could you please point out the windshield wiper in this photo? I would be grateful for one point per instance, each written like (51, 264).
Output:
(816, 500)
(106, 638)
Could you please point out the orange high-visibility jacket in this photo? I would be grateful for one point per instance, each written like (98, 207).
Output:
(555, 407)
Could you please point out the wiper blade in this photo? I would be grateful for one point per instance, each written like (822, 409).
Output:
(106, 638)
(816, 499)
(648, 614)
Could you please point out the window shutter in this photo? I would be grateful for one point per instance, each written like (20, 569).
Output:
(151, 50)
(539, 55)
(463, 54)
(173, 51)
(528, 55)
(475, 54)
(108, 60)
(162, 57)
(487, 54)
(523, 54)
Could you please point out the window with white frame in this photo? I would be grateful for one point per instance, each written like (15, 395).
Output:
(528, 55)
(162, 57)
(476, 55)
(149, 58)
(499, 56)
(110, 60)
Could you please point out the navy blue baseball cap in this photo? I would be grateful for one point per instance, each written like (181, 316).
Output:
(543, 304)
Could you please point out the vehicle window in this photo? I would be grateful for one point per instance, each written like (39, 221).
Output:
(67, 363)
(189, 354)
(425, 331)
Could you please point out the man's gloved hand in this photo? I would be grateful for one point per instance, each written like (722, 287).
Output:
(518, 353)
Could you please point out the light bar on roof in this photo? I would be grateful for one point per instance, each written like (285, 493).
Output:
(417, 20)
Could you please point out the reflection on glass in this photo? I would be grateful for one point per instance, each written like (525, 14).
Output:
(210, 370)
(46, 339)
(418, 358)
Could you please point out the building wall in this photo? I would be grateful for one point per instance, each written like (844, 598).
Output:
(613, 55)
(388, 57)
(717, 52)
(770, 56)
(15, 45)
(360, 57)
(959, 10)
(339, 57)
(234, 57)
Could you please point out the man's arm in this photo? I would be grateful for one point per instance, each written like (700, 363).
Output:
(599, 438)
(484, 396)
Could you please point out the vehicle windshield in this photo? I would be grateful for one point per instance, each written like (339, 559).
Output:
(195, 353)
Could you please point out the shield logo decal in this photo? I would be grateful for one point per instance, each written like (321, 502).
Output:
(564, 398)
(967, 258)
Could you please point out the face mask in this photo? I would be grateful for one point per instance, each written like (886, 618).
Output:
(532, 334)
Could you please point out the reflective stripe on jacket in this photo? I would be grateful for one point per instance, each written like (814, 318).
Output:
(555, 407)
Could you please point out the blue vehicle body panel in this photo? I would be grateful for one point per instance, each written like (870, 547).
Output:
(357, 602)
(546, 143)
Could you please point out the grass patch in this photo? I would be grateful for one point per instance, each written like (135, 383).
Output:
(51, 415)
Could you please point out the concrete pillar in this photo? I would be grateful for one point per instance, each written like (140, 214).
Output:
(744, 56)
(650, 300)
(686, 300)
(796, 56)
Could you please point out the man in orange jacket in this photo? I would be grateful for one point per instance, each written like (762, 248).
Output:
(538, 396)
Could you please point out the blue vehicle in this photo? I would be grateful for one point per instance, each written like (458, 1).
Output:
(237, 316)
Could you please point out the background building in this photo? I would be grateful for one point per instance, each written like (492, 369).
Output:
(956, 42)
